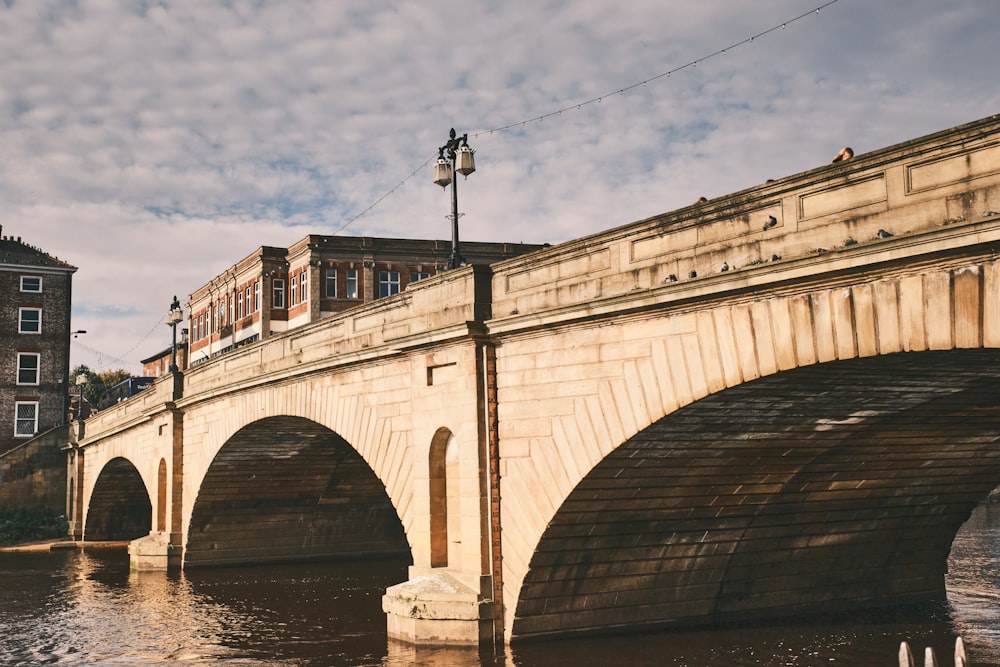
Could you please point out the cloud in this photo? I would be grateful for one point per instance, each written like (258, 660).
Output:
(155, 143)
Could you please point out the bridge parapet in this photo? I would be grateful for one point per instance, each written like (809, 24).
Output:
(767, 233)
(429, 311)
(131, 411)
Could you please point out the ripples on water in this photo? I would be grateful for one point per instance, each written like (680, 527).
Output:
(87, 608)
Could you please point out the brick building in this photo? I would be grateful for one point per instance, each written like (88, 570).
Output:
(158, 364)
(35, 301)
(277, 289)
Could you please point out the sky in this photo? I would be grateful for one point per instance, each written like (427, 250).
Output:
(154, 143)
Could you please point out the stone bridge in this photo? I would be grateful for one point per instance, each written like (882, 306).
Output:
(778, 402)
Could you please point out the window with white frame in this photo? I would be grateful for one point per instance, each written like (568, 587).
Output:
(302, 288)
(29, 320)
(25, 419)
(278, 293)
(31, 283)
(388, 283)
(249, 296)
(352, 284)
(293, 291)
(28, 365)
(418, 275)
(256, 296)
(239, 306)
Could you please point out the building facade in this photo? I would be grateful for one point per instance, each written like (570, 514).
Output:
(276, 289)
(35, 302)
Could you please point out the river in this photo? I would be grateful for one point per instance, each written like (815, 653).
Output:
(86, 608)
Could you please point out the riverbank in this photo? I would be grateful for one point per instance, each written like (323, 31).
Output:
(60, 544)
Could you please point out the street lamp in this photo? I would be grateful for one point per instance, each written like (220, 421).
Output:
(460, 159)
(81, 380)
(174, 317)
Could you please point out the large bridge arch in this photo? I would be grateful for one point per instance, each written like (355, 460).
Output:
(286, 488)
(120, 506)
(833, 486)
(653, 367)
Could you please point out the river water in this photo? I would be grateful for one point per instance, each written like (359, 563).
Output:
(86, 608)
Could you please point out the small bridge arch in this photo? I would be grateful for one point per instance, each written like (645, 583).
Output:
(286, 488)
(120, 506)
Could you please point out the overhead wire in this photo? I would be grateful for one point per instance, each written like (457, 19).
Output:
(103, 358)
(599, 99)
(557, 112)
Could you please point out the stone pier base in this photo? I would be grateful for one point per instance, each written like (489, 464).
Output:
(150, 553)
(437, 610)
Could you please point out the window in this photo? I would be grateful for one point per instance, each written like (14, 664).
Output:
(29, 320)
(249, 294)
(279, 293)
(25, 419)
(302, 288)
(239, 306)
(352, 283)
(331, 284)
(418, 275)
(293, 291)
(232, 308)
(256, 296)
(388, 283)
(27, 367)
(201, 325)
(31, 283)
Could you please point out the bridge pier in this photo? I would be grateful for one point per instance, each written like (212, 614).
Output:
(154, 552)
(436, 609)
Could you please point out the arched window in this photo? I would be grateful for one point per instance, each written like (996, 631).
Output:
(161, 497)
(443, 480)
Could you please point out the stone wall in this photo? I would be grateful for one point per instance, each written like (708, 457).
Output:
(34, 474)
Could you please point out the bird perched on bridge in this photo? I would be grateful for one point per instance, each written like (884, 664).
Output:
(846, 153)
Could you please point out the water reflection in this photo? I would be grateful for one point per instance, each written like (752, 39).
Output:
(87, 608)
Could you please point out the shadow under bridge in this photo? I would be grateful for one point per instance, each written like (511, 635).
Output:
(289, 489)
(824, 488)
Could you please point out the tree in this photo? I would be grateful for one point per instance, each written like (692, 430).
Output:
(97, 383)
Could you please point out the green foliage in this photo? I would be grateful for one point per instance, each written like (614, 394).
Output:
(26, 524)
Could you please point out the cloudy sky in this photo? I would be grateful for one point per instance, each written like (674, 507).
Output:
(152, 143)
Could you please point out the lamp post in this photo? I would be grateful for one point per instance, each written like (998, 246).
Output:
(174, 317)
(67, 397)
(460, 160)
(81, 380)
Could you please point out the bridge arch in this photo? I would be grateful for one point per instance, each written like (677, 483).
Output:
(120, 508)
(627, 437)
(833, 486)
(287, 488)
